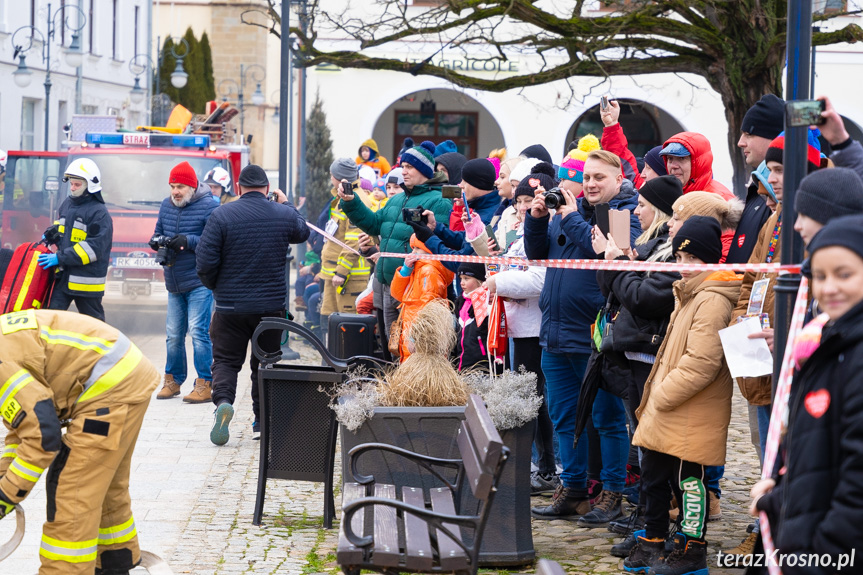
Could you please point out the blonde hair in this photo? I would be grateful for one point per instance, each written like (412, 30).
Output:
(499, 153)
(660, 218)
(606, 157)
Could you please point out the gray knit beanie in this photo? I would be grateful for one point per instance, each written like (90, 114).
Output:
(829, 193)
(345, 169)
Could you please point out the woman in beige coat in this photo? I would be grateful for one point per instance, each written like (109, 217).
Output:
(686, 407)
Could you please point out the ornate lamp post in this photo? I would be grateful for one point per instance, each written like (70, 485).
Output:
(228, 87)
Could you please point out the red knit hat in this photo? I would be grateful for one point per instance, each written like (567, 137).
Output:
(774, 153)
(184, 173)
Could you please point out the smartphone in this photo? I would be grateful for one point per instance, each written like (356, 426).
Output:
(490, 232)
(603, 102)
(804, 112)
(602, 218)
(619, 223)
(466, 209)
(450, 192)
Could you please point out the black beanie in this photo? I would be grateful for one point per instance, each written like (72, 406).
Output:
(541, 174)
(476, 271)
(655, 161)
(479, 173)
(701, 237)
(662, 192)
(453, 162)
(829, 193)
(766, 118)
(845, 231)
(537, 151)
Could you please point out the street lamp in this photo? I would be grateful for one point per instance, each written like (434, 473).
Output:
(73, 55)
(228, 87)
(142, 63)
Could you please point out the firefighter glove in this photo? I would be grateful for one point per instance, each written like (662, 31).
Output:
(52, 235)
(422, 231)
(48, 260)
(5, 507)
(178, 243)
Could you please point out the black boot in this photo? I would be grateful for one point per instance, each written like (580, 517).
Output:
(608, 507)
(689, 557)
(645, 554)
(626, 525)
(565, 504)
(624, 548)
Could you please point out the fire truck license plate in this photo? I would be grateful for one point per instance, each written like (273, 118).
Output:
(136, 263)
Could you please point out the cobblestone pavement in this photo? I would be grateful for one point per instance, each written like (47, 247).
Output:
(193, 501)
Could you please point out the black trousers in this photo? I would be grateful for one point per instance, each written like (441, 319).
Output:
(528, 353)
(91, 306)
(231, 334)
(660, 475)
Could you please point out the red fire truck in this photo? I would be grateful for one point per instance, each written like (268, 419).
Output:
(135, 168)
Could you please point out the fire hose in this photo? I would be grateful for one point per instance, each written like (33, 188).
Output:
(154, 564)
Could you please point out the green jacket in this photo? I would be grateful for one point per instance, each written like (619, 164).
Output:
(388, 223)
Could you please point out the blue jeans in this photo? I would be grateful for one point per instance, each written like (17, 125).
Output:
(763, 425)
(189, 312)
(712, 475)
(563, 375)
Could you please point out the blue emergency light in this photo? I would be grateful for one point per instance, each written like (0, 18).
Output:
(145, 140)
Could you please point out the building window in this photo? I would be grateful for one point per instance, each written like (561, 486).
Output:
(460, 127)
(640, 126)
(28, 124)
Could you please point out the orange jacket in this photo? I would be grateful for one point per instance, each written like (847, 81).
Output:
(376, 161)
(428, 281)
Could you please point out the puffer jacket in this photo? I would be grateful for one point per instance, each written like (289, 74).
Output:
(521, 286)
(758, 390)
(390, 226)
(614, 140)
(701, 177)
(645, 301)
(84, 250)
(816, 505)
(242, 253)
(570, 299)
(686, 406)
(189, 221)
(378, 163)
(755, 215)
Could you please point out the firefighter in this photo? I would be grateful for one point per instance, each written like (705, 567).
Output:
(59, 368)
(345, 273)
(219, 181)
(82, 235)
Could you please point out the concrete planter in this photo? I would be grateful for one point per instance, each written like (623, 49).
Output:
(508, 540)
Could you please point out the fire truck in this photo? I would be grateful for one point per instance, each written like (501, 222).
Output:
(135, 167)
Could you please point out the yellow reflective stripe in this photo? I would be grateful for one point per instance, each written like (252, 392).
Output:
(113, 376)
(345, 263)
(338, 215)
(328, 270)
(26, 470)
(118, 533)
(350, 236)
(69, 551)
(85, 259)
(78, 235)
(9, 408)
(87, 287)
(76, 340)
(10, 451)
(28, 279)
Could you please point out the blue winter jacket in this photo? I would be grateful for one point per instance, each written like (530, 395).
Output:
(188, 221)
(570, 299)
(485, 206)
(243, 251)
(446, 241)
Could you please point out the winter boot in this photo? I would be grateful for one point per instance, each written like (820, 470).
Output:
(632, 522)
(564, 505)
(202, 393)
(543, 484)
(608, 508)
(645, 554)
(169, 389)
(742, 551)
(299, 304)
(689, 557)
(624, 548)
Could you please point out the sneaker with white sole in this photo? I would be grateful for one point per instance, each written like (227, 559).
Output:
(219, 435)
(256, 430)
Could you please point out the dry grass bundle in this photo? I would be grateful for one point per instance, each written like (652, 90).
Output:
(432, 331)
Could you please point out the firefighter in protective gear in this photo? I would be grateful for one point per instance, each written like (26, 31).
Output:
(345, 273)
(59, 368)
(219, 181)
(85, 230)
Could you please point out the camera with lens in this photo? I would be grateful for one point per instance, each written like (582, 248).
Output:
(414, 215)
(164, 255)
(554, 198)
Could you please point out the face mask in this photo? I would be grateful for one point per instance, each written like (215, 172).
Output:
(79, 193)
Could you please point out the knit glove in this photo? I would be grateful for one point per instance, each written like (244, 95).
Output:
(422, 231)
(178, 243)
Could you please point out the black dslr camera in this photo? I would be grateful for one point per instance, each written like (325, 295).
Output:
(554, 198)
(414, 215)
(164, 255)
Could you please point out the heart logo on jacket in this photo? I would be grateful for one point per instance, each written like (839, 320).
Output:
(534, 182)
(741, 240)
(817, 402)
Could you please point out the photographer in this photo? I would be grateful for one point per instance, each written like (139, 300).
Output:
(569, 301)
(182, 217)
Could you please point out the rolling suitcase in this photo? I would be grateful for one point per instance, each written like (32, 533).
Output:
(25, 284)
(351, 335)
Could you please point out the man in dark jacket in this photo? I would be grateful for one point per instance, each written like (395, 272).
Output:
(85, 231)
(241, 256)
(570, 300)
(182, 217)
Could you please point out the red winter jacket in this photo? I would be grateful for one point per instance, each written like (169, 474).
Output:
(614, 141)
(701, 178)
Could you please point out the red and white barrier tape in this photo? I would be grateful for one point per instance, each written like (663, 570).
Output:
(610, 265)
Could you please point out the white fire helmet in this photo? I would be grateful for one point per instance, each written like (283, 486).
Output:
(221, 177)
(3, 157)
(368, 173)
(86, 169)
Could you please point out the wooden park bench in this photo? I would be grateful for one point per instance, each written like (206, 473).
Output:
(423, 532)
